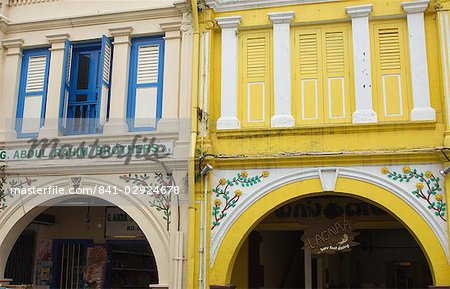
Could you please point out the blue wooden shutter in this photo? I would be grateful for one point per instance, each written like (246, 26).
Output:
(65, 86)
(104, 79)
(32, 92)
(146, 83)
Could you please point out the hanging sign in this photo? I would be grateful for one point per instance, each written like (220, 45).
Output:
(119, 224)
(330, 237)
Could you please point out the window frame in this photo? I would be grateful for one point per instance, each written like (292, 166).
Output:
(27, 54)
(133, 85)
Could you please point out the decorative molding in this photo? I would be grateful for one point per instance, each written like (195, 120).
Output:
(12, 43)
(57, 38)
(13, 183)
(160, 200)
(328, 178)
(368, 174)
(170, 26)
(229, 22)
(80, 21)
(427, 186)
(359, 11)
(222, 190)
(232, 5)
(281, 17)
(415, 7)
(27, 2)
(121, 31)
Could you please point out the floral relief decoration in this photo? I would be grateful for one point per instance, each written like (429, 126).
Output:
(6, 186)
(155, 185)
(228, 192)
(427, 188)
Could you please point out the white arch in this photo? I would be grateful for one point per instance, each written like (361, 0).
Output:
(438, 227)
(25, 208)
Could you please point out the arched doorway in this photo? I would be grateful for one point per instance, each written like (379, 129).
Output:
(83, 243)
(330, 241)
(350, 183)
(24, 210)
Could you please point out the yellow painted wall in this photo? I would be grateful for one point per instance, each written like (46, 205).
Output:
(324, 141)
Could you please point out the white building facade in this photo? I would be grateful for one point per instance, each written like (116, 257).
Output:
(103, 83)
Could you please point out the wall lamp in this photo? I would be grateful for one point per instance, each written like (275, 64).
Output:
(206, 169)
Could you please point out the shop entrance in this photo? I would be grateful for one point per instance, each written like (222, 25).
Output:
(331, 242)
(83, 246)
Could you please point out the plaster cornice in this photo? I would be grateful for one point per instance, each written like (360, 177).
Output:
(121, 31)
(88, 20)
(281, 17)
(415, 7)
(359, 11)
(12, 43)
(57, 38)
(234, 5)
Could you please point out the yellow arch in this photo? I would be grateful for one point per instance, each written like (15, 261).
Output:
(247, 221)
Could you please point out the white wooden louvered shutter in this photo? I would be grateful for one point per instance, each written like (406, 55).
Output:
(148, 76)
(34, 91)
(104, 80)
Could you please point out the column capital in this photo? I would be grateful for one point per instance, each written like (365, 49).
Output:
(415, 7)
(170, 26)
(121, 31)
(229, 22)
(57, 38)
(359, 11)
(281, 17)
(12, 43)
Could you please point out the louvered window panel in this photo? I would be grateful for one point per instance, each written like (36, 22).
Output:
(256, 58)
(334, 42)
(69, 63)
(107, 63)
(36, 74)
(148, 57)
(309, 62)
(389, 45)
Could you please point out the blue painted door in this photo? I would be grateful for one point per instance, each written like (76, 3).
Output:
(83, 108)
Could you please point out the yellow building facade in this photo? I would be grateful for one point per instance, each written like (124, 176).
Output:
(319, 120)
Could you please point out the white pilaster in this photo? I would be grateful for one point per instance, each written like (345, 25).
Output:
(364, 112)
(172, 42)
(185, 99)
(282, 69)
(229, 85)
(11, 77)
(418, 60)
(117, 122)
(52, 106)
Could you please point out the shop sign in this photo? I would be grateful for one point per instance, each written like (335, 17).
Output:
(49, 149)
(329, 238)
(119, 224)
(324, 209)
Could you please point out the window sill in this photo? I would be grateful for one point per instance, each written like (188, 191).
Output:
(327, 129)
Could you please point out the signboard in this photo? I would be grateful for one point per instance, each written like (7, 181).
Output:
(330, 237)
(328, 209)
(53, 149)
(118, 224)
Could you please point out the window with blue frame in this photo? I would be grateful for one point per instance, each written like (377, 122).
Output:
(86, 87)
(146, 83)
(32, 92)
